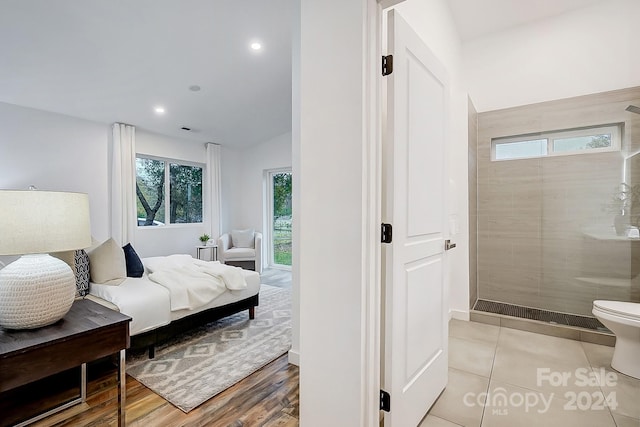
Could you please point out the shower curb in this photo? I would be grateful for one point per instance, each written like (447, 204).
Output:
(545, 328)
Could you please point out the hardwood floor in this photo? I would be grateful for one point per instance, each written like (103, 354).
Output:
(269, 397)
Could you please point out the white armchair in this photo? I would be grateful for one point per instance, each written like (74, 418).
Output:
(247, 247)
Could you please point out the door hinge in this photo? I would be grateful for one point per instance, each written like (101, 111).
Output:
(386, 234)
(387, 65)
(385, 401)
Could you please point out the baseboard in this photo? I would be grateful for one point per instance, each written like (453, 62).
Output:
(294, 357)
(459, 314)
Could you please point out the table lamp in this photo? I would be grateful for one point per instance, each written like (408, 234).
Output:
(38, 289)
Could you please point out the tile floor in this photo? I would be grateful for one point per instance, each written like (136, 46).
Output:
(507, 377)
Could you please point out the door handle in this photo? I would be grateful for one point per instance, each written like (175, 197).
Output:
(448, 245)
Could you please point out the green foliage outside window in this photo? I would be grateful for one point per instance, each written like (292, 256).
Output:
(185, 192)
(150, 191)
(282, 208)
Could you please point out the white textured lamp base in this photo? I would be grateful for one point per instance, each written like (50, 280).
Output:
(35, 291)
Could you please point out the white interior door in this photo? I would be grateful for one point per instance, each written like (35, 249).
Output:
(414, 158)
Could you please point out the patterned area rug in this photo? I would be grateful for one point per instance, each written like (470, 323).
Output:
(196, 366)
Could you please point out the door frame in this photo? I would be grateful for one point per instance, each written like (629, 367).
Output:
(372, 218)
(372, 161)
(372, 171)
(369, 287)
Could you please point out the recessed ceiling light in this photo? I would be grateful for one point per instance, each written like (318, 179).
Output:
(256, 46)
(159, 109)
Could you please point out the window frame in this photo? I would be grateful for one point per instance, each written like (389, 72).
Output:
(167, 196)
(615, 129)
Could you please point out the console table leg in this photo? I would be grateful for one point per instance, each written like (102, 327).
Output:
(83, 382)
(81, 399)
(122, 389)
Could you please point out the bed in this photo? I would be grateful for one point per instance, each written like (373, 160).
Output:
(155, 317)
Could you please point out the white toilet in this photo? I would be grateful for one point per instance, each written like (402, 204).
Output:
(623, 319)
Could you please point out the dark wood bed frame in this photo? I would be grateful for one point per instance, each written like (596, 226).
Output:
(163, 333)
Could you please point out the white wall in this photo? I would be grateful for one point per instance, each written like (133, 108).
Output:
(170, 147)
(329, 161)
(586, 51)
(242, 180)
(177, 238)
(331, 189)
(433, 22)
(57, 152)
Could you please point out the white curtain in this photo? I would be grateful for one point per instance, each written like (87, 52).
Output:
(123, 184)
(212, 202)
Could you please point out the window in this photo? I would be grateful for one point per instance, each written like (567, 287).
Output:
(279, 197)
(574, 141)
(167, 189)
(521, 149)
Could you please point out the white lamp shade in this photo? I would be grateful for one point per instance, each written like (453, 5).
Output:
(34, 222)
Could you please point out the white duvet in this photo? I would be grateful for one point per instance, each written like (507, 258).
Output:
(194, 284)
(146, 302)
(150, 304)
(231, 276)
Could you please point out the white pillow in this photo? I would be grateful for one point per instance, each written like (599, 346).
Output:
(157, 263)
(107, 263)
(242, 238)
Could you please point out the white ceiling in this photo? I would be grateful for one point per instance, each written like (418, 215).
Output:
(114, 60)
(476, 18)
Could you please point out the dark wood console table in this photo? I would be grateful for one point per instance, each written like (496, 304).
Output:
(88, 332)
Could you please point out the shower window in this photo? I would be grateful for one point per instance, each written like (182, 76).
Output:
(520, 149)
(557, 143)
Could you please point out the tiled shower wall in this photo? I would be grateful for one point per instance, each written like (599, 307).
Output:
(473, 205)
(545, 225)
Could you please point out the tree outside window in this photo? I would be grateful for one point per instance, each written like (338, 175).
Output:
(182, 204)
(282, 193)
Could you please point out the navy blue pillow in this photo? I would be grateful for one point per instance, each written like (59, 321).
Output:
(134, 265)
